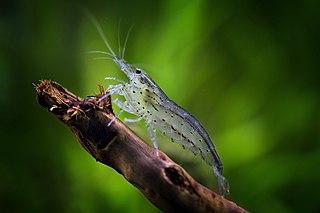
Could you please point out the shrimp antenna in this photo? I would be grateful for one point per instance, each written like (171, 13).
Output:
(119, 39)
(99, 52)
(125, 42)
(100, 31)
(102, 57)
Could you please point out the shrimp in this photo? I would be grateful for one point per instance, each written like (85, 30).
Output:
(145, 99)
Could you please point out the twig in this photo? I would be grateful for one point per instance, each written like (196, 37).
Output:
(163, 182)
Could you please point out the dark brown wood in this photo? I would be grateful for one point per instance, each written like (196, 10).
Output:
(162, 181)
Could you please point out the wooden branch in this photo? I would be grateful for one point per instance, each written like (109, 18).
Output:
(163, 182)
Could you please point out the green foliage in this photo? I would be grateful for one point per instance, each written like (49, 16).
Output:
(245, 69)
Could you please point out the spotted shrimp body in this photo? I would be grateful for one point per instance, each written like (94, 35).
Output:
(145, 99)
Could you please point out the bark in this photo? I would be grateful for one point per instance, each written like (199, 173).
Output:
(162, 181)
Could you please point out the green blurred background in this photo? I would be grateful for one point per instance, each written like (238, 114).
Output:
(246, 69)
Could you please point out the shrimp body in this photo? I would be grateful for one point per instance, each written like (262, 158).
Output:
(148, 101)
(145, 99)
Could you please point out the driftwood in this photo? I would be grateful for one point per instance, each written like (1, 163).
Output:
(162, 181)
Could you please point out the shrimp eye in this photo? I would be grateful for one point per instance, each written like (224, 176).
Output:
(138, 71)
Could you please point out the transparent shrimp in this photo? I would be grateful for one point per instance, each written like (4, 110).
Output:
(145, 99)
